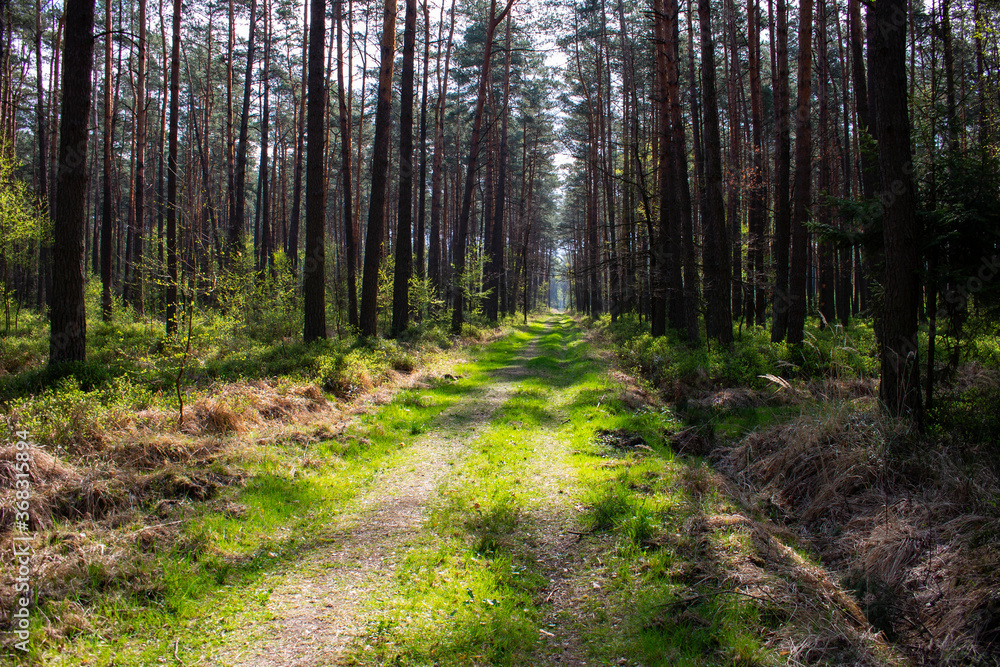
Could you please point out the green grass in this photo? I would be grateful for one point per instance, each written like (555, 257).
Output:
(220, 561)
(470, 590)
(469, 587)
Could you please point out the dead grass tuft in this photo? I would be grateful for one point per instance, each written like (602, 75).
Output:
(43, 468)
(813, 467)
(241, 407)
(904, 523)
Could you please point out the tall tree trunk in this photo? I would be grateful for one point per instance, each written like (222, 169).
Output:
(869, 161)
(368, 316)
(68, 316)
(686, 221)
(756, 294)
(495, 257)
(782, 174)
(719, 319)
(404, 217)
(350, 226)
(434, 253)
(682, 223)
(42, 131)
(733, 196)
(458, 314)
(314, 264)
(300, 145)
(172, 208)
(264, 248)
(826, 249)
(267, 211)
(798, 265)
(236, 215)
(107, 217)
(135, 290)
(230, 139)
(422, 180)
(900, 385)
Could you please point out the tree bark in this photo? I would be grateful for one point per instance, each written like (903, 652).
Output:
(434, 252)
(495, 257)
(379, 177)
(300, 145)
(798, 269)
(236, 221)
(404, 247)
(719, 321)
(756, 294)
(68, 316)
(172, 208)
(782, 174)
(900, 385)
(827, 252)
(263, 213)
(314, 263)
(422, 179)
(135, 288)
(107, 216)
(458, 314)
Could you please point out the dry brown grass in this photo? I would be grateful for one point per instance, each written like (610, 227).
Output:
(241, 407)
(107, 497)
(117, 487)
(902, 518)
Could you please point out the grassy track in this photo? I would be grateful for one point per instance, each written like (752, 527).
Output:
(525, 512)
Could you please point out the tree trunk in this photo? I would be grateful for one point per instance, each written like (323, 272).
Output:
(782, 173)
(827, 252)
(458, 314)
(404, 247)
(434, 253)
(422, 180)
(733, 196)
(900, 385)
(263, 213)
(107, 217)
(350, 226)
(756, 294)
(719, 319)
(379, 176)
(495, 243)
(799, 263)
(236, 222)
(172, 209)
(68, 316)
(135, 289)
(314, 263)
(293, 226)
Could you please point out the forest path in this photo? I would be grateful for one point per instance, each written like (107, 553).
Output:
(540, 519)
(323, 611)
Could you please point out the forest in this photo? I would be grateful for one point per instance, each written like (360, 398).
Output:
(733, 265)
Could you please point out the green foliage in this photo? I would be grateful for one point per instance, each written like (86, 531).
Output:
(366, 364)
(261, 306)
(424, 299)
(24, 224)
(671, 365)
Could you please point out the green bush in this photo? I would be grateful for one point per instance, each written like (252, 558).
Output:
(673, 366)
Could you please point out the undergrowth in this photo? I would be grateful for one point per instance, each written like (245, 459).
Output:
(800, 433)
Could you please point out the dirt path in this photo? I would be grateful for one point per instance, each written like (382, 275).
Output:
(319, 607)
(480, 543)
